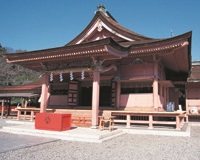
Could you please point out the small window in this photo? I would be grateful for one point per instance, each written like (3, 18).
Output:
(136, 87)
(59, 89)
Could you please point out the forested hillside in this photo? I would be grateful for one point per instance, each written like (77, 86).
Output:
(11, 74)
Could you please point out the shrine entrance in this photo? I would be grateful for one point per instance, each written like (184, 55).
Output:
(105, 96)
(85, 95)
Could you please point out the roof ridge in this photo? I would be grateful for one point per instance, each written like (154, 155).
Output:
(101, 8)
(103, 17)
(118, 25)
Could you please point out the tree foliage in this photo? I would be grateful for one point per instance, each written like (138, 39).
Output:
(12, 74)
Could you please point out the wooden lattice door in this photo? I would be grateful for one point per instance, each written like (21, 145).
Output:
(73, 94)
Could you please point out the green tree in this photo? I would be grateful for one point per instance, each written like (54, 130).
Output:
(2, 49)
(12, 74)
(4, 67)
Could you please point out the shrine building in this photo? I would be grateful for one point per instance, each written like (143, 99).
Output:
(109, 67)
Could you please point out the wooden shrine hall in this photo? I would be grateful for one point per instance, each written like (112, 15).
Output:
(109, 67)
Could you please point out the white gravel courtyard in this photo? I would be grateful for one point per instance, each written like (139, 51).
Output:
(125, 147)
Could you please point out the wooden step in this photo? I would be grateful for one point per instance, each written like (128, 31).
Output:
(80, 118)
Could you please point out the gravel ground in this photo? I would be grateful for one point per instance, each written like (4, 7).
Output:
(121, 148)
(2, 123)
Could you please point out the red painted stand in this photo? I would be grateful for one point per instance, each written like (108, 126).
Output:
(53, 121)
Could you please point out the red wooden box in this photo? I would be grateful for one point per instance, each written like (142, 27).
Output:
(53, 121)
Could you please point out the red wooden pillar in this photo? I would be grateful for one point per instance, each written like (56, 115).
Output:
(186, 102)
(44, 93)
(95, 98)
(155, 93)
(155, 86)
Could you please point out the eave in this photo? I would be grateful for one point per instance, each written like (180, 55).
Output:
(175, 52)
(19, 95)
(14, 88)
(34, 59)
(158, 46)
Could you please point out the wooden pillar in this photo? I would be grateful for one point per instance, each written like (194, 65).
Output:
(44, 94)
(186, 102)
(2, 109)
(95, 98)
(25, 105)
(150, 121)
(155, 86)
(177, 122)
(9, 107)
(164, 96)
(118, 94)
(26, 102)
(155, 93)
(128, 121)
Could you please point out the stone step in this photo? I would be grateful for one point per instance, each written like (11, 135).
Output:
(74, 134)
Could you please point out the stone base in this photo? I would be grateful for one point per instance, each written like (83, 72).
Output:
(94, 127)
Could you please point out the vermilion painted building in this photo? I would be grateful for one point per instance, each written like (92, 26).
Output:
(108, 66)
(193, 92)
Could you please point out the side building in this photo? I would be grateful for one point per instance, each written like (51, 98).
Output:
(193, 92)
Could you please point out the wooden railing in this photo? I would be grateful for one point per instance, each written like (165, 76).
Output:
(32, 111)
(152, 117)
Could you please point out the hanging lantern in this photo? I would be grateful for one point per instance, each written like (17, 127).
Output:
(61, 77)
(71, 76)
(82, 75)
(51, 77)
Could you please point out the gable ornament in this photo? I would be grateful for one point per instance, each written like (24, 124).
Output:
(99, 25)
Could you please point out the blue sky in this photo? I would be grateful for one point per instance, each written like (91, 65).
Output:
(40, 24)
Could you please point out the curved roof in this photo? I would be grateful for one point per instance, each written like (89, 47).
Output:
(111, 25)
